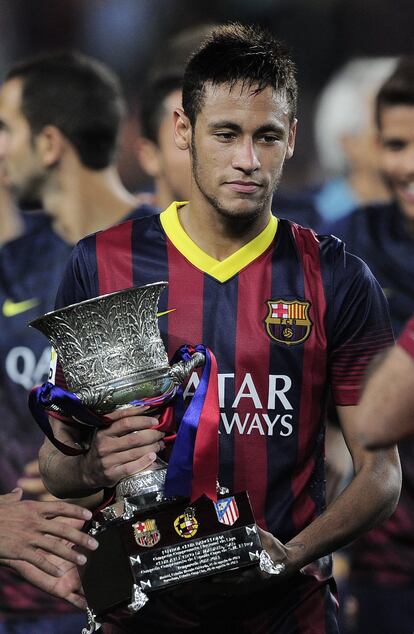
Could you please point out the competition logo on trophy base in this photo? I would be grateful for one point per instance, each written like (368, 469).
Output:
(186, 524)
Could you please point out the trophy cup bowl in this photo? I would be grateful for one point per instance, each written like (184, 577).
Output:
(111, 353)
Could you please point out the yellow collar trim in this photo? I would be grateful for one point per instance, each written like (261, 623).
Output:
(224, 270)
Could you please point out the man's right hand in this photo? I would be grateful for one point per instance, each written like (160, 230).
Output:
(127, 446)
(30, 530)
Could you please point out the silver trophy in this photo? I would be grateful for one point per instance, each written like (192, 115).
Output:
(111, 353)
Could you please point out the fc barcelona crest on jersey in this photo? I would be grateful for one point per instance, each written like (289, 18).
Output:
(288, 322)
(146, 533)
(227, 511)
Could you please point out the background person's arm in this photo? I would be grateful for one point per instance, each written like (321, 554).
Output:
(386, 409)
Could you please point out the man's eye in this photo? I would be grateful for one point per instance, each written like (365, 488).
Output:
(268, 139)
(394, 146)
(225, 136)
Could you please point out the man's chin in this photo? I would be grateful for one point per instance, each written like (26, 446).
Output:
(242, 212)
(29, 204)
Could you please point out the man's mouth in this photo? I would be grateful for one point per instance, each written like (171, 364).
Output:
(244, 187)
(406, 190)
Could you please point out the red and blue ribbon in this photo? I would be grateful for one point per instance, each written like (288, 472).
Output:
(193, 464)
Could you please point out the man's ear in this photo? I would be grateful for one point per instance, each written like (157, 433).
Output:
(50, 142)
(148, 156)
(291, 139)
(182, 129)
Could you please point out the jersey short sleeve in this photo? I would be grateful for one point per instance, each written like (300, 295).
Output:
(406, 339)
(79, 281)
(359, 324)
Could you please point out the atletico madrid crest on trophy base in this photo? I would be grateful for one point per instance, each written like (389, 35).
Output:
(288, 321)
(227, 511)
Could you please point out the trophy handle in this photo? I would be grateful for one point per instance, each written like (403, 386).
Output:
(182, 369)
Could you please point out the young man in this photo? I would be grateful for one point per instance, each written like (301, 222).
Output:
(382, 578)
(285, 314)
(60, 116)
(157, 151)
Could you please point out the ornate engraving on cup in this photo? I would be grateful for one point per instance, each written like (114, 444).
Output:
(110, 347)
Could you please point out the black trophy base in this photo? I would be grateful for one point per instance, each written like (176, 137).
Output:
(166, 545)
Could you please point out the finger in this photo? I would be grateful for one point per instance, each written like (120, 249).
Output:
(118, 414)
(46, 497)
(58, 547)
(131, 423)
(13, 496)
(130, 468)
(38, 559)
(130, 454)
(34, 486)
(134, 440)
(32, 468)
(54, 509)
(77, 600)
(73, 535)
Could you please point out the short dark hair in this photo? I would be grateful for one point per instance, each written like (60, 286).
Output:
(237, 53)
(166, 74)
(398, 89)
(78, 95)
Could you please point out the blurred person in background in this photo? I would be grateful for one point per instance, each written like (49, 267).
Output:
(345, 138)
(13, 222)
(60, 116)
(157, 153)
(382, 566)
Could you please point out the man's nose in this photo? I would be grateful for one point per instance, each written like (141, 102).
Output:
(245, 156)
(407, 163)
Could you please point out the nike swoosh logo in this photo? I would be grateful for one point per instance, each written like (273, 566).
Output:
(11, 308)
(166, 312)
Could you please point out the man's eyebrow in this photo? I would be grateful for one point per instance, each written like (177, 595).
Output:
(224, 123)
(231, 125)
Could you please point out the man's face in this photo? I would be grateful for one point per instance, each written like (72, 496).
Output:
(396, 139)
(239, 144)
(174, 163)
(23, 171)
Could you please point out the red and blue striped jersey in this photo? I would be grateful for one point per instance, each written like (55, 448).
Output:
(290, 316)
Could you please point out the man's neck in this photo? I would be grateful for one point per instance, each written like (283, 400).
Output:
(11, 223)
(217, 235)
(85, 201)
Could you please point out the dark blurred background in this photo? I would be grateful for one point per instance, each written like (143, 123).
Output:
(126, 34)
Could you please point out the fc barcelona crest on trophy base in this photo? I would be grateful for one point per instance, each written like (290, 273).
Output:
(288, 321)
(170, 523)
